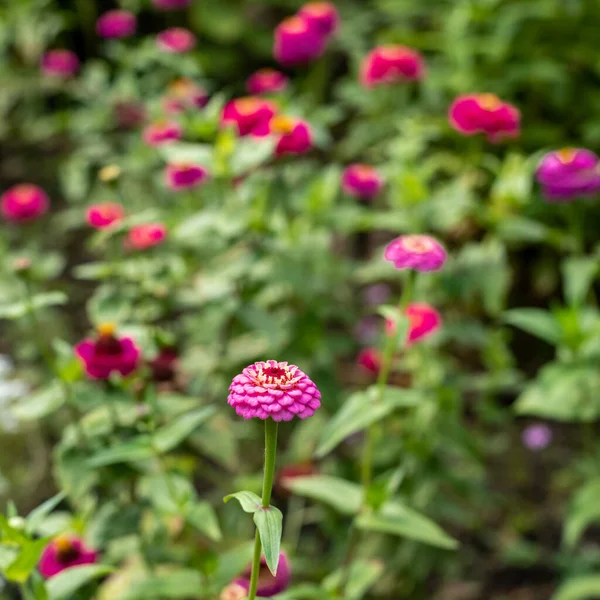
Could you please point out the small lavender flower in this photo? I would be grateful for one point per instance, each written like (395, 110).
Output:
(537, 436)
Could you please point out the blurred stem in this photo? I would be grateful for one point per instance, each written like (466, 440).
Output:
(269, 476)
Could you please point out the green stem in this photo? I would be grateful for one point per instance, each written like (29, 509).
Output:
(269, 476)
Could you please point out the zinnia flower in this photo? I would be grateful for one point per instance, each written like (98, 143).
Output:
(297, 41)
(182, 176)
(24, 202)
(250, 115)
(266, 81)
(146, 235)
(161, 132)
(60, 63)
(386, 65)
(369, 359)
(64, 552)
(294, 135)
(423, 321)
(183, 94)
(323, 16)
(362, 181)
(418, 252)
(568, 173)
(485, 113)
(537, 437)
(102, 216)
(176, 40)
(116, 24)
(108, 353)
(164, 365)
(273, 389)
(171, 4)
(268, 584)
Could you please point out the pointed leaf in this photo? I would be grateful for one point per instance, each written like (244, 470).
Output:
(27, 559)
(202, 516)
(40, 403)
(64, 585)
(584, 511)
(539, 323)
(584, 587)
(249, 501)
(342, 495)
(180, 583)
(139, 448)
(362, 576)
(37, 515)
(269, 522)
(578, 273)
(171, 435)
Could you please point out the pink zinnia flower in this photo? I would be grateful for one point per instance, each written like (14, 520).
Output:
(297, 41)
(266, 81)
(24, 202)
(537, 437)
(147, 235)
(423, 321)
(294, 135)
(60, 63)
(102, 216)
(108, 353)
(362, 181)
(485, 113)
(323, 16)
(273, 389)
(250, 115)
(171, 4)
(185, 176)
(387, 65)
(116, 24)
(183, 94)
(176, 40)
(418, 252)
(161, 132)
(268, 584)
(64, 552)
(369, 359)
(568, 173)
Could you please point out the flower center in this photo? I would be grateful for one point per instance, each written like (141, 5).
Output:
(107, 343)
(247, 106)
(417, 243)
(391, 52)
(272, 374)
(181, 87)
(566, 155)
(363, 172)
(319, 9)
(294, 25)
(489, 102)
(66, 552)
(282, 124)
(24, 194)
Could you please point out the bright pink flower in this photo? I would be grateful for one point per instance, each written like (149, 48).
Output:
(323, 16)
(171, 4)
(386, 65)
(423, 320)
(362, 181)
(294, 135)
(418, 252)
(250, 115)
(369, 359)
(64, 552)
(182, 176)
(24, 202)
(108, 354)
(102, 216)
(159, 133)
(60, 63)
(485, 113)
(268, 584)
(297, 41)
(147, 235)
(176, 40)
(273, 389)
(116, 24)
(183, 94)
(266, 81)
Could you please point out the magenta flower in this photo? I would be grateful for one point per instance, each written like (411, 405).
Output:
(387, 65)
(418, 252)
(60, 63)
(64, 552)
(146, 235)
(171, 4)
(273, 389)
(537, 437)
(297, 41)
(485, 113)
(249, 115)
(361, 181)
(268, 584)
(369, 359)
(294, 136)
(423, 319)
(116, 24)
(102, 216)
(322, 16)
(568, 173)
(176, 40)
(161, 132)
(182, 176)
(108, 354)
(183, 94)
(24, 202)
(266, 81)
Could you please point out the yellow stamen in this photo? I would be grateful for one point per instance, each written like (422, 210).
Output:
(109, 173)
(106, 329)
(282, 124)
(417, 243)
(294, 25)
(63, 543)
(489, 101)
(566, 155)
(247, 106)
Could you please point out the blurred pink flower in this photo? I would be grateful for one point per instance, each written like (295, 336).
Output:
(24, 202)
(369, 359)
(64, 552)
(129, 114)
(171, 4)
(250, 115)
(424, 320)
(183, 94)
(161, 132)
(294, 135)
(176, 40)
(102, 216)
(266, 81)
(362, 181)
(116, 24)
(386, 65)
(322, 16)
(537, 436)
(183, 176)
(268, 584)
(273, 389)
(60, 63)
(418, 252)
(297, 41)
(147, 235)
(367, 329)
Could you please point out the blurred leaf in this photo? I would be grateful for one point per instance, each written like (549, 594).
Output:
(169, 436)
(269, 522)
(179, 583)
(37, 515)
(579, 273)
(584, 511)
(202, 516)
(139, 448)
(362, 576)
(39, 404)
(580, 588)
(539, 323)
(344, 496)
(64, 585)
(249, 501)
(27, 559)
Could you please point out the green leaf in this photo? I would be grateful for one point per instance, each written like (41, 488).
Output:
(168, 437)
(362, 576)
(539, 323)
(139, 448)
(8, 554)
(55, 298)
(397, 519)
(27, 559)
(249, 501)
(344, 496)
(579, 588)
(269, 522)
(37, 515)
(578, 273)
(39, 404)
(64, 585)
(584, 511)
(180, 583)
(202, 516)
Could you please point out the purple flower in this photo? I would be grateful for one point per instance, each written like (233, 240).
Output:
(418, 252)
(116, 24)
(268, 585)
(63, 552)
(536, 437)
